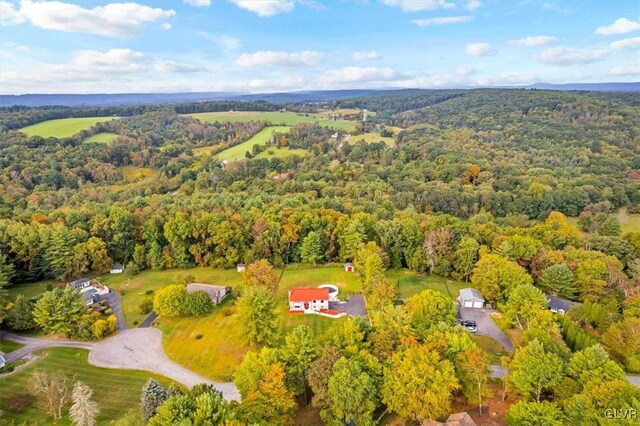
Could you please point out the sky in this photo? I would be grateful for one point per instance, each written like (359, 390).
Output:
(259, 46)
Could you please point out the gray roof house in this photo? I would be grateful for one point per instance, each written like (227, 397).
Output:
(471, 298)
(559, 305)
(80, 283)
(217, 293)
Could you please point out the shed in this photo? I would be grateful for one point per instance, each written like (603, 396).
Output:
(80, 283)
(217, 293)
(471, 298)
(348, 267)
(559, 305)
(116, 269)
(240, 267)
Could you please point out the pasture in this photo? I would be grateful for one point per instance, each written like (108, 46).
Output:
(372, 137)
(115, 390)
(273, 118)
(104, 137)
(628, 222)
(273, 152)
(238, 152)
(133, 173)
(63, 127)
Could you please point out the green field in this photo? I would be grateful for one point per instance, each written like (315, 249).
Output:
(132, 173)
(410, 283)
(115, 390)
(628, 222)
(7, 346)
(104, 137)
(238, 152)
(272, 152)
(273, 117)
(64, 127)
(372, 137)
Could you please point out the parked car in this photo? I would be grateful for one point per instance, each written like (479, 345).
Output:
(468, 323)
(471, 329)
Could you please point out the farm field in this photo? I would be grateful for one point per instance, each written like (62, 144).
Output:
(132, 173)
(372, 137)
(104, 137)
(238, 152)
(64, 127)
(115, 390)
(628, 222)
(273, 117)
(273, 152)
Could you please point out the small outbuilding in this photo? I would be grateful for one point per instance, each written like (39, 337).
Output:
(348, 267)
(217, 293)
(116, 269)
(80, 283)
(240, 267)
(471, 298)
(3, 362)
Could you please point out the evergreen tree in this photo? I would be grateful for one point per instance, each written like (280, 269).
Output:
(558, 280)
(60, 311)
(59, 252)
(153, 396)
(20, 316)
(256, 308)
(84, 410)
(311, 248)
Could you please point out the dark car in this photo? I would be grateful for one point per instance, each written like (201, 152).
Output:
(468, 323)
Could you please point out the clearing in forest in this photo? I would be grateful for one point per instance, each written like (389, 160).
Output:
(63, 127)
(273, 117)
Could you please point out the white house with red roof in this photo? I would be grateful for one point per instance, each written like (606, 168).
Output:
(308, 300)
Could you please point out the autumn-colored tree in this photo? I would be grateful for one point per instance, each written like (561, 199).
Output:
(496, 276)
(352, 394)
(52, 390)
(384, 292)
(271, 402)
(429, 308)
(369, 264)
(472, 367)
(534, 370)
(392, 326)
(260, 274)
(524, 303)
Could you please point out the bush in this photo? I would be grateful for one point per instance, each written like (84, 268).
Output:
(146, 306)
(227, 312)
(7, 369)
(135, 322)
(108, 311)
(122, 292)
(199, 336)
(149, 292)
(18, 402)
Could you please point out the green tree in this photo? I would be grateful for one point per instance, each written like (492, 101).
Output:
(153, 396)
(391, 328)
(558, 280)
(544, 413)
(297, 354)
(610, 227)
(352, 394)
(496, 276)
(472, 367)
(464, 258)
(253, 368)
(623, 341)
(171, 301)
(203, 405)
(84, 410)
(369, 264)
(139, 259)
(177, 231)
(20, 316)
(256, 309)
(60, 311)
(271, 402)
(59, 254)
(524, 303)
(428, 308)
(593, 365)
(534, 370)
(311, 250)
(418, 384)
(260, 274)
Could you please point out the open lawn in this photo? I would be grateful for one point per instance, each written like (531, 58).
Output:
(104, 137)
(628, 222)
(410, 283)
(262, 137)
(371, 138)
(273, 117)
(30, 290)
(272, 152)
(64, 127)
(7, 346)
(132, 173)
(115, 390)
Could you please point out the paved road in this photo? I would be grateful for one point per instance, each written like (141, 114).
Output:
(113, 299)
(135, 349)
(148, 320)
(485, 324)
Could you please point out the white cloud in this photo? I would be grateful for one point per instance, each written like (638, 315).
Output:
(626, 44)
(266, 8)
(16, 46)
(565, 56)
(533, 41)
(619, 26)
(171, 66)
(357, 75)
(625, 70)
(225, 42)
(165, 26)
(418, 5)
(443, 20)
(198, 3)
(479, 49)
(366, 56)
(473, 5)
(9, 15)
(305, 58)
(113, 19)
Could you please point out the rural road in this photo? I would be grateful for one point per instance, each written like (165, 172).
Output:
(497, 373)
(134, 349)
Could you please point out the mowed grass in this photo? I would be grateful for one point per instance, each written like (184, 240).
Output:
(272, 152)
(410, 283)
(238, 152)
(132, 173)
(29, 290)
(7, 346)
(63, 127)
(372, 137)
(273, 117)
(628, 222)
(115, 390)
(104, 137)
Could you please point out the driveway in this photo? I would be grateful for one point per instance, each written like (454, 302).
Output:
(113, 299)
(485, 324)
(134, 349)
(148, 320)
(354, 306)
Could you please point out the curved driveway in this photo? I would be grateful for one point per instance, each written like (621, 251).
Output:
(135, 349)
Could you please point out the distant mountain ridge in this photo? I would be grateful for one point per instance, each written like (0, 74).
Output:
(122, 99)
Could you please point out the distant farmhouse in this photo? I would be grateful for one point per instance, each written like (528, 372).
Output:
(116, 269)
(80, 283)
(308, 300)
(217, 293)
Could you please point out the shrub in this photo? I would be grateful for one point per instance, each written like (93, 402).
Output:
(227, 312)
(146, 306)
(122, 292)
(135, 322)
(199, 336)
(18, 402)
(108, 311)
(149, 292)
(7, 369)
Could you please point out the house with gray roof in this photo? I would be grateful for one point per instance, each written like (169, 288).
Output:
(471, 298)
(559, 305)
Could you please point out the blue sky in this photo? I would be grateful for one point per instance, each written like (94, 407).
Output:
(91, 46)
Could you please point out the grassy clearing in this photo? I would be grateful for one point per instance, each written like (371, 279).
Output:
(371, 138)
(628, 222)
(64, 127)
(30, 290)
(410, 283)
(104, 137)
(272, 152)
(132, 173)
(238, 152)
(490, 346)
(7, 346)
(273, 117)
(115, 390)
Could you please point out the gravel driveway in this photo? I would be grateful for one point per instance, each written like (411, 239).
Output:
(32, 344)
(141, 349)
(485, 324)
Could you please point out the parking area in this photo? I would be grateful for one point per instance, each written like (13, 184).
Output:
(354, 306)
(485, 324)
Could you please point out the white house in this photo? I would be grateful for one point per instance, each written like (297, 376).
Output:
(240, 267)
(311, 300)
(80, 283)
(116, 269)
(217, 293)
(471, 298)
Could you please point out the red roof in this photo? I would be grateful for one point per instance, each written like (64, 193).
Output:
(308, 294)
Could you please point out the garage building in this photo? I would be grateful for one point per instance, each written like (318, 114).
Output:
(471, 298)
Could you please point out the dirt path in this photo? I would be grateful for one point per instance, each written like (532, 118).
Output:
(134, 349)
